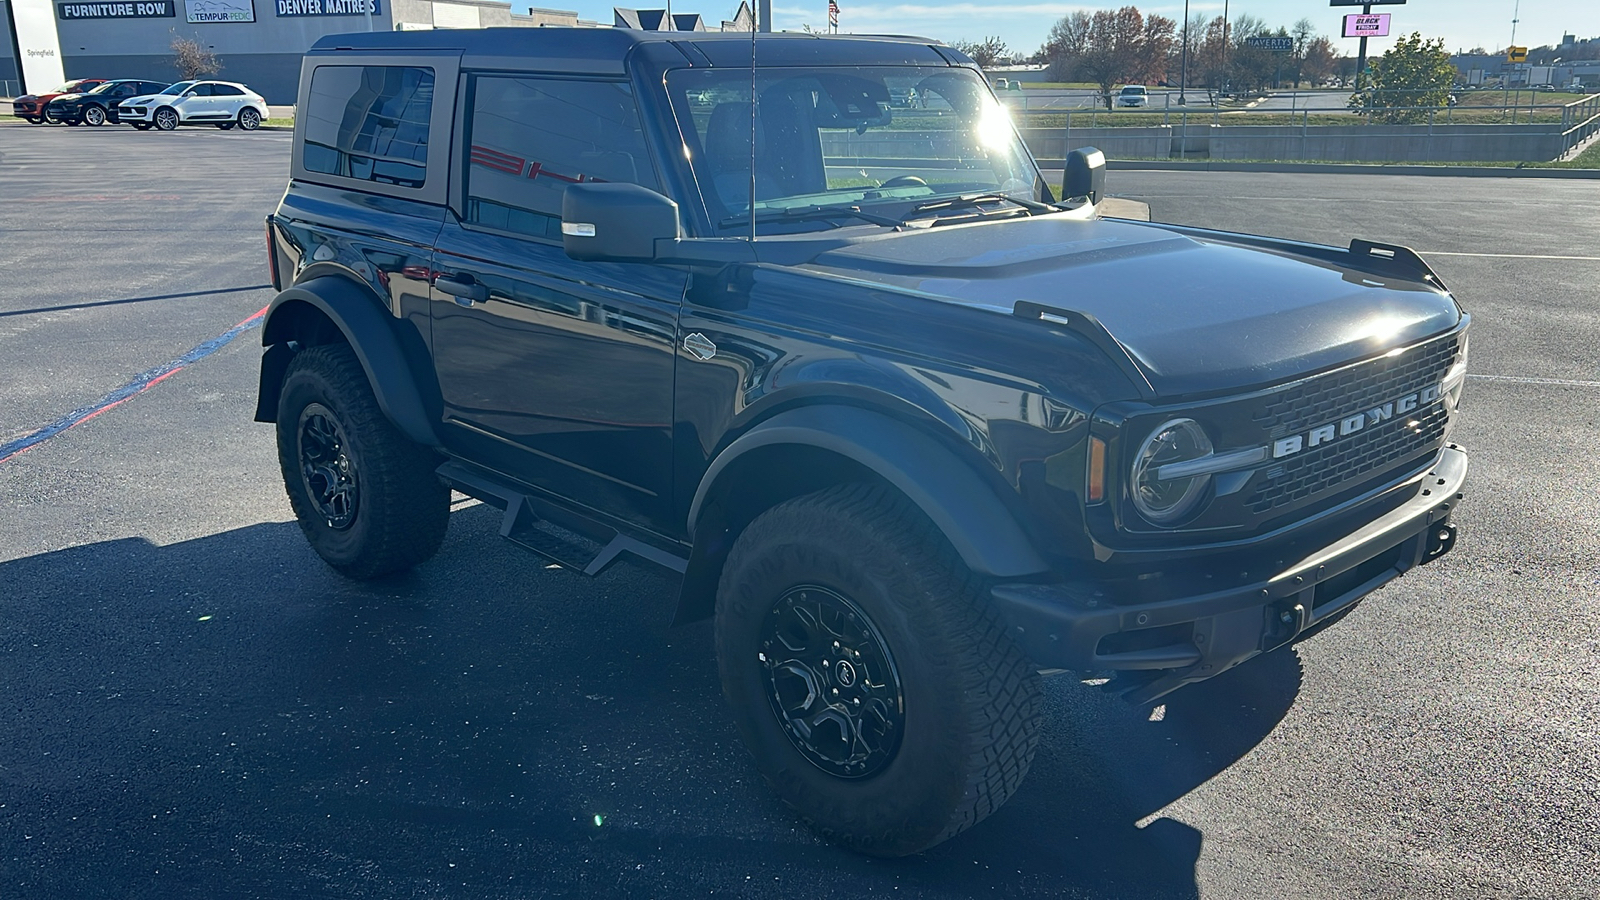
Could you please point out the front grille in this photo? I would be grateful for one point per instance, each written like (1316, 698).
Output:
(1373, 449)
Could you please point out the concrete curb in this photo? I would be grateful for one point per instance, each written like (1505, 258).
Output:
(1342, 169)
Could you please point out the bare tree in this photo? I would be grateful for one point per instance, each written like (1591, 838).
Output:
(1109, 48)
(989, 52)
(192, 59)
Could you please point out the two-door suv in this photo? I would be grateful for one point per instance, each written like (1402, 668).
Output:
(913, 426)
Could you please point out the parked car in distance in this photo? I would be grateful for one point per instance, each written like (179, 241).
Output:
(220, 103)
(1133, 95)
(98, 106)
(31, 107)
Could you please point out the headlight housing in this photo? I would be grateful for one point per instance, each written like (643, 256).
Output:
(1164, 501)
(1456, 379)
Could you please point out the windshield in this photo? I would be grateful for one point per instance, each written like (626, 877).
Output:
(885, 139)
(103, 88)
(70, 87)
(1133, 90)
(179, 88)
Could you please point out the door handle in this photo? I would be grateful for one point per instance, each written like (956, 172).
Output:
(463, 287)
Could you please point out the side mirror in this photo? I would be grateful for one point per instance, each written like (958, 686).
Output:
(187, 94)
(615, 222)
(1085, 176)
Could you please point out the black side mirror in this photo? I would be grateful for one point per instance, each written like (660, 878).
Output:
(615, 222)
(1086, 175)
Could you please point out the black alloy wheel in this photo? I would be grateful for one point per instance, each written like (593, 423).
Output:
(328, 474)
(249, 119)
(94, 116)
(832, 683)
(166, 119)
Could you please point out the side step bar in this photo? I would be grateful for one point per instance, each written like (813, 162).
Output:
(522, 525)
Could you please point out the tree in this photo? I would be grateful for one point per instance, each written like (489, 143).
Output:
(1109, 48)
(1320, 62)
(1412, 73)
(192, 59)
(989, 52)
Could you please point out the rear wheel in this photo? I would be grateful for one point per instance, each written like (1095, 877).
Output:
(94, 115)
(249, 119)
(868, 675)
(366, 497)
(166, 119)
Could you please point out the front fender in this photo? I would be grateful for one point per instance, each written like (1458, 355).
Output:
(963, 505)
(369, 330)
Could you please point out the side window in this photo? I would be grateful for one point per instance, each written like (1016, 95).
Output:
(531, 137)
(370, 123)
(125, 90)
(226, 90)
(201, 90)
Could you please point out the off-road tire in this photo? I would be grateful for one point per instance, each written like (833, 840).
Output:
(971, 699)
(401, 509)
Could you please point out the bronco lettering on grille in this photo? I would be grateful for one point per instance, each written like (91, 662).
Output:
(1351, 424)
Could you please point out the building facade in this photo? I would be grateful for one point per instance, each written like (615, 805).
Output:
(258, 42)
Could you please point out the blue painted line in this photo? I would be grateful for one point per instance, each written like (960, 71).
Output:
(140, 383)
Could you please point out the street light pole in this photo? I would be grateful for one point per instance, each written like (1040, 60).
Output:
(1183, 77)
(1225, 79)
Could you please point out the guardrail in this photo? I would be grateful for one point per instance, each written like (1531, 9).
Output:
(1580, 121)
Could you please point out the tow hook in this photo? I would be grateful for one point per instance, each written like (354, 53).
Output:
(1440, 539)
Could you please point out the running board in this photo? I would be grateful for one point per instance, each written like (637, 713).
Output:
(523, 526)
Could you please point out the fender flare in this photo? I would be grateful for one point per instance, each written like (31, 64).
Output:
(963, 506)
(369, 330)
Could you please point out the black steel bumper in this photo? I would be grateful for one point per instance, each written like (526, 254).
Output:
(1189, 639)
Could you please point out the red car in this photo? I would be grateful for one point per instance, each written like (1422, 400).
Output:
(32, 106)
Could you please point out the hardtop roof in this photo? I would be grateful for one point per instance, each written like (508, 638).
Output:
(609, 46)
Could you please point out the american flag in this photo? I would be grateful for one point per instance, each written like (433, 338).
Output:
(833, 13)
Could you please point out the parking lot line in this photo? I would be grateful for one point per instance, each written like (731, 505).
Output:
(1506, 255)
(140, 383)
(1522, 379)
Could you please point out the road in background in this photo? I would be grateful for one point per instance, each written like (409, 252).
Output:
(196, 707)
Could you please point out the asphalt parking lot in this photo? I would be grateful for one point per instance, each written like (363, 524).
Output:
(194, 706)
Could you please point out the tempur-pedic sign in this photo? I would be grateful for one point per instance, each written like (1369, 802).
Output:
(38, 46)
(293, 8)
(120, 9)
(207, 11)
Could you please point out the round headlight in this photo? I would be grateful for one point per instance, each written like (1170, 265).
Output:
(1165, 500)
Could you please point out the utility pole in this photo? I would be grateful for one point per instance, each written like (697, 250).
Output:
(1183, 77)
(1226, 81)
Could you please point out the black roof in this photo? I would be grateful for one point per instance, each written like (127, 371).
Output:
(607, 47)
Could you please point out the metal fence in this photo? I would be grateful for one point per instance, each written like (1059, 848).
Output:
(1297, 128)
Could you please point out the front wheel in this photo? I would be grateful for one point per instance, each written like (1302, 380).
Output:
(249, 119)
(366, 497)
(166, 119)
(94, 116)
(869, 677)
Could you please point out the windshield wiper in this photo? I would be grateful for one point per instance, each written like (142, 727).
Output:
(811, 213)
(968, 201)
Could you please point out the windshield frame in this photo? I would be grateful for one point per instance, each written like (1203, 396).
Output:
(892, 203)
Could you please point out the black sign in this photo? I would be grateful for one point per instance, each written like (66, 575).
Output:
(294, 8)
(1366, 2)
(117, 9)
(1275, 44)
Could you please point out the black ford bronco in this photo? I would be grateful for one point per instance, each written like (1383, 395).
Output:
(913, 425)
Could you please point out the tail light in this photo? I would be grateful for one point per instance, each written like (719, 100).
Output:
(272, 257)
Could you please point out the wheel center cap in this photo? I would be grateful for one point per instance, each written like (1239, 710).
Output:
(845, 673)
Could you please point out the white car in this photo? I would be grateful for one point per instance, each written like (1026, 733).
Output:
(1133, 95)
(220, 103)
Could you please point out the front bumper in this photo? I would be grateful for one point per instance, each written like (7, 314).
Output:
(27, 110)
(138, 114)
(1074, 625)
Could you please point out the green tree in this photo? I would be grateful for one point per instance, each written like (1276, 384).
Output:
(1413, 73)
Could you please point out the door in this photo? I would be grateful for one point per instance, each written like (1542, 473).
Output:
(196, 104)
(229, 100)
(556, 372)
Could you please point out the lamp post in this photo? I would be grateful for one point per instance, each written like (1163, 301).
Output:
(1183, 75)
(1226, 81)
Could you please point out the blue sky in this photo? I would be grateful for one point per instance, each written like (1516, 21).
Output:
(1023, 24)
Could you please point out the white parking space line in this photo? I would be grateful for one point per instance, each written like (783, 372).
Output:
(1518, 379)
(1506, 255)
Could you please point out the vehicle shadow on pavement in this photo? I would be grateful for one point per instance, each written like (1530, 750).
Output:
(227, 717)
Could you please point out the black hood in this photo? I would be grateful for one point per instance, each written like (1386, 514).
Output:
(1199, 314)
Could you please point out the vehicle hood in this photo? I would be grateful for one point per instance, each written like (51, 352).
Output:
(66, 98)
(143, 98)
(34, 97)
(1198, 314)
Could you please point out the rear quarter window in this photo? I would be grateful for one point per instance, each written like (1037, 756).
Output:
(370, 123)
